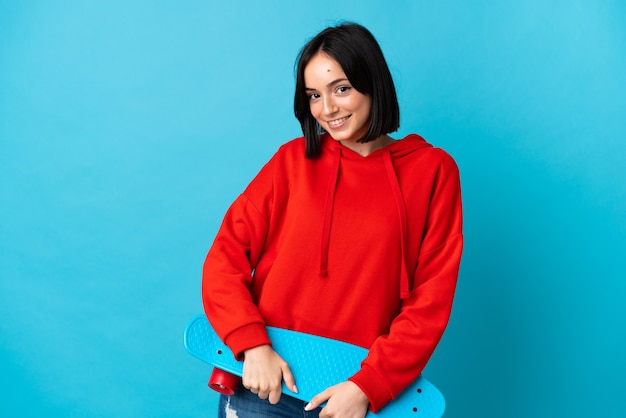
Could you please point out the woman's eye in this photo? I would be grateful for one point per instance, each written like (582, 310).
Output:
(313, 96)
(343, 89)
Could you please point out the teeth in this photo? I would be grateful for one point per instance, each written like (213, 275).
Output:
(337, 121)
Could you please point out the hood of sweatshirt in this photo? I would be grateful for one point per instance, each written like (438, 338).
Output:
(389, 154)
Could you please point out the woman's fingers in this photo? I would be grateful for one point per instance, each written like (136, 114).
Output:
(264, 371)
(290, 381)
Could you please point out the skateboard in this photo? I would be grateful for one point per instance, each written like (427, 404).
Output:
(316, 362)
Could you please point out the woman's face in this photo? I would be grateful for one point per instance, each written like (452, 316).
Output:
(338, 107)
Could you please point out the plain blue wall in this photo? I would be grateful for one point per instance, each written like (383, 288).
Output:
(127, 128)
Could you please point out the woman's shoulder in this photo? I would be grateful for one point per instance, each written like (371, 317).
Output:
(416, 146)
(295, 145)
(288, 154)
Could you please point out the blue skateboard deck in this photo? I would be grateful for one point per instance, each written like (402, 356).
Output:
(317, 363)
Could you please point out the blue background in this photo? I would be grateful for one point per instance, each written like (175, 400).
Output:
(128, 127)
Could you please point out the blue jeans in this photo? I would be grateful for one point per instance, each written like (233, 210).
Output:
(245, 404)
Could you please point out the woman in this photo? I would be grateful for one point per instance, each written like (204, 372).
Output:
(345, 233)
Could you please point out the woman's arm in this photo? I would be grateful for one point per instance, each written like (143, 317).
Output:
(228, 268)
(397, 358)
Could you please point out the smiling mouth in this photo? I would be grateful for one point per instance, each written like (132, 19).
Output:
(337, 122)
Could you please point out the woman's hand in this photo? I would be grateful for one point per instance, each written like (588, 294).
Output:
(345, 400)
(263, 373)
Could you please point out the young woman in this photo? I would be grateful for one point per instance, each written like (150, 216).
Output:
(345, 233)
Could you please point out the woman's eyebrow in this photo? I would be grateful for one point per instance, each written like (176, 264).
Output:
(339, 80)
(332, 83)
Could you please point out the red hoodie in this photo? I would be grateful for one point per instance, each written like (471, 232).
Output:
(364, 250)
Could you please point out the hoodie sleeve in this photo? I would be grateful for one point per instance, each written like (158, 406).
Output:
(227, 271)
(397, 359)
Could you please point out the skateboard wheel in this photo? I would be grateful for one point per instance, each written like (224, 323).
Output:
(223, 382)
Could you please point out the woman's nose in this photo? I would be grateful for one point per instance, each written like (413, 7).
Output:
(329, 106)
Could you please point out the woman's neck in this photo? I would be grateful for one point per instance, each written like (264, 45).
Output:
(366, 148)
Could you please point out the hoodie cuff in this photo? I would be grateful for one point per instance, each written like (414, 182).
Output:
(373, 387)
(247, 337)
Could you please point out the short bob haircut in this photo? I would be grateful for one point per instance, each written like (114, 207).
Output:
(357, 51)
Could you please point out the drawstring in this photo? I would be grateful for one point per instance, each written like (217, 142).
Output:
(328, 212)
(397, 194)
